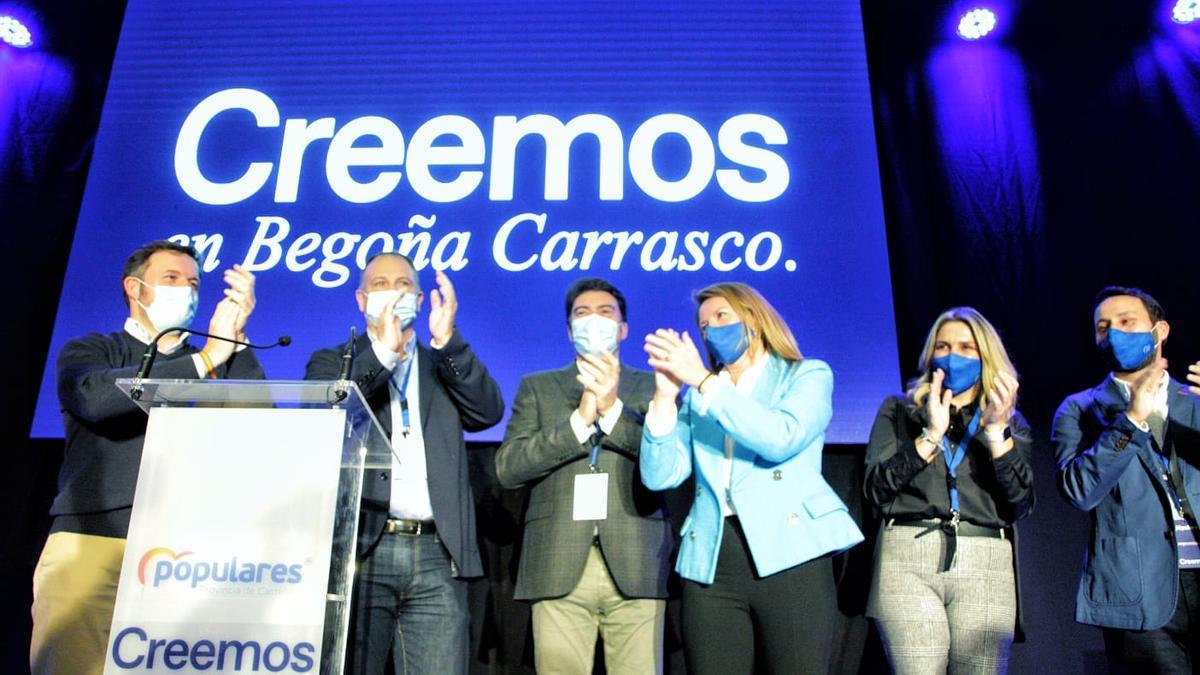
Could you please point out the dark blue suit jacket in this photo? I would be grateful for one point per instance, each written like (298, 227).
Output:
(456, 393)
(1110, 468)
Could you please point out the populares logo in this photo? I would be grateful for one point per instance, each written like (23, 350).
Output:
(165, 566)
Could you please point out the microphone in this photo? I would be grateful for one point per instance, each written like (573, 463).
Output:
(344, 376)
(152, 351)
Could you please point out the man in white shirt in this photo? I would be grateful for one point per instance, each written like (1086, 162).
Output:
(417, 541)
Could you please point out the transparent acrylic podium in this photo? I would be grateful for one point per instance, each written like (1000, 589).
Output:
(188, 414)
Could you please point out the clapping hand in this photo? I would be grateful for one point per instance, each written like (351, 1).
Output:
(1001, 401)
(1145, 391)
(675, 355)
(223, 323)
(240, 292)
(230, 315)
(1193, 376)
(391, 336)
(443, 306)
(600, 377)
(937, 404)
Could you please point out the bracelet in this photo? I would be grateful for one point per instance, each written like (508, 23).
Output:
(208, 364)
(926, 436)
(699, 386)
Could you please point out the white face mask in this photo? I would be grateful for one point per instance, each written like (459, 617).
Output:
(595, 334)
(405, 310)
(173, 306)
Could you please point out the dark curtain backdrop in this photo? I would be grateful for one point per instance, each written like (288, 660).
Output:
(1020, 174)
(50, 100)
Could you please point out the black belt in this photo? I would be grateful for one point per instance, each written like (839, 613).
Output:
(964, 529)
(952, 530)
(408, 527)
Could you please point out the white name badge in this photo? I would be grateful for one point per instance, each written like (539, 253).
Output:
(591, 496)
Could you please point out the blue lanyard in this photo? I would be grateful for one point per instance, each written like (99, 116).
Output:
(954, 457)
(599, 436)
(402, 392)
(1169, 480)
(1165, 461)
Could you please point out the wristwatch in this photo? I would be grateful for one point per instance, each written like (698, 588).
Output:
(1003, 437)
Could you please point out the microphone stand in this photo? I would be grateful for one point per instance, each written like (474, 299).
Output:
(136, 390)
(343, 382)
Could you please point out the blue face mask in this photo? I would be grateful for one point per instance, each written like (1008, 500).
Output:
(962, 372)
(1126, 352)
(727, 343)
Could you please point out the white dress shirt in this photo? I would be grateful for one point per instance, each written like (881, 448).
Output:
(410, 478)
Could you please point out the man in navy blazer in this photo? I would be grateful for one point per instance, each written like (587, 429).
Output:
(1128, 453)
(417, 542)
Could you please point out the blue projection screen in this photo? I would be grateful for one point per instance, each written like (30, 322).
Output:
(518, 146)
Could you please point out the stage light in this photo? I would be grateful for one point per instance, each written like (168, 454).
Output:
(976, 23)
(14, 32)
(1186, 11)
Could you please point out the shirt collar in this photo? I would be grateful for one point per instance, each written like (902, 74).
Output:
(966, 412)
(1122, 386)
(139, 333)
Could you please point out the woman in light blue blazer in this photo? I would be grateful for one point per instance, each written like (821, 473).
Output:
(758, 591)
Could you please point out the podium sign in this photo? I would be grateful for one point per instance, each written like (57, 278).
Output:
(227, 564)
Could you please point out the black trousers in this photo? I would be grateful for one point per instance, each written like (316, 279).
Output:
(744, 623)
(1174, 648)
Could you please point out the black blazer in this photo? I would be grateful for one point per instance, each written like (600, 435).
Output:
(456, 393)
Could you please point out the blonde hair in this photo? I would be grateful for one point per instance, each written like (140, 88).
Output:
(764, 326)
(987, 342)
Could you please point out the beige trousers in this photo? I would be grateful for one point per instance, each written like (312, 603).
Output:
(565, 629)
(74, 591)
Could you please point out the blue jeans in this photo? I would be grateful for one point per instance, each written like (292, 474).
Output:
(408, 607)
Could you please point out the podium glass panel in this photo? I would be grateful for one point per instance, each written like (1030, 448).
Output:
(183, 414)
